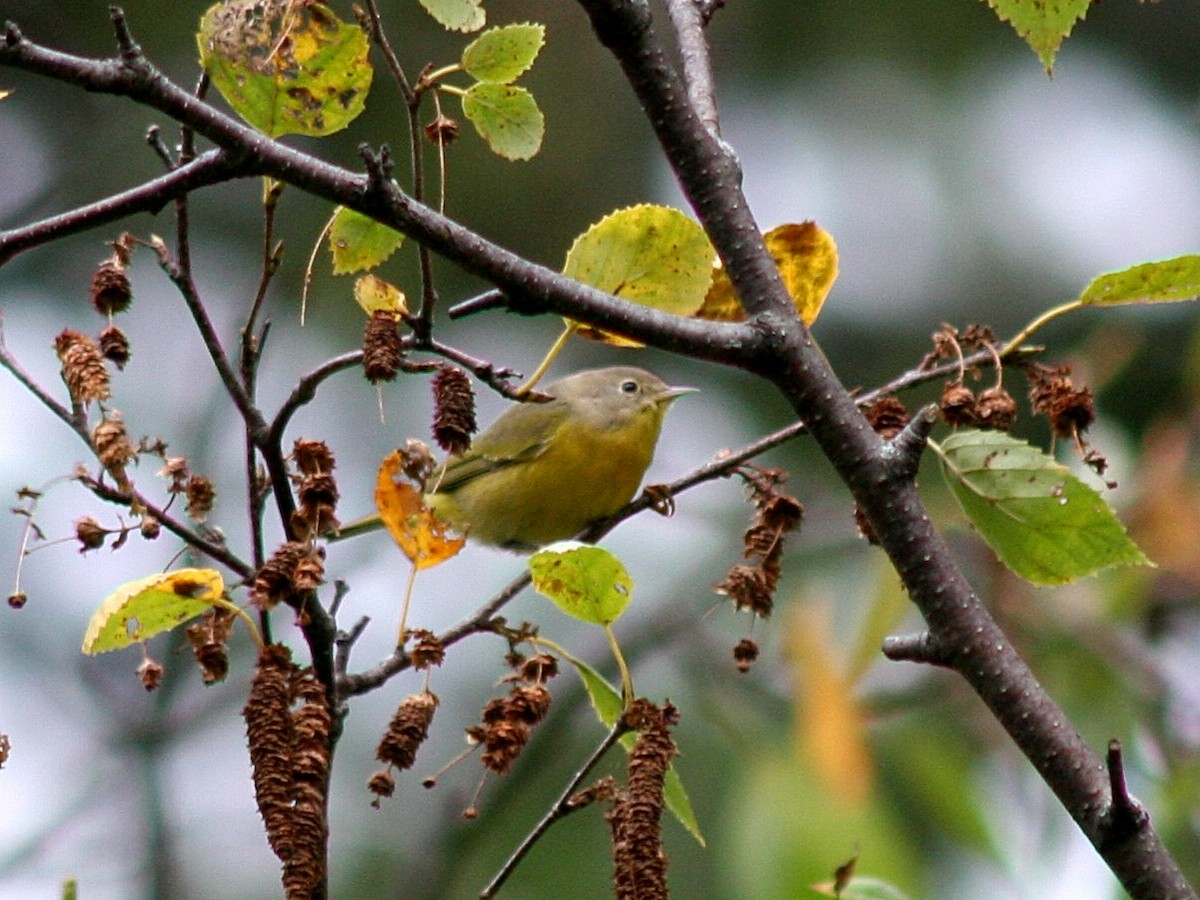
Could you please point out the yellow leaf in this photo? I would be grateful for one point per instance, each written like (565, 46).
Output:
(829, 722)
(374, 295)
(141, 609)
(808, 263)
(420, 534)
(647, 254)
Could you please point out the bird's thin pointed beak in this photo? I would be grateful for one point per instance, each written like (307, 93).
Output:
(674, 391)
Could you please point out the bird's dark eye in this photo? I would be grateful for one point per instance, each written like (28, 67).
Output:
(629, 387)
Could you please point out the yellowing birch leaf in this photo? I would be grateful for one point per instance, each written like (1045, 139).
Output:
(807, 257)
(358, 242)
(375, 295)
(647, 254)
(286, 67)
(582, 580)
(141, 609)
(829, 719)
(420, 534)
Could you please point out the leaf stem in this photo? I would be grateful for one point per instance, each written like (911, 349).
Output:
(1048, 316)
(245, 617)
(626, 678)
(551, 355)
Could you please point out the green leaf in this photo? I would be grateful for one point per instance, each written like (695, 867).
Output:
(1166, 281)
(457, 15)
(141, 609)
(507, 117)
(358, 242)
(1042, 24)
(1043, 522)
(606, 701)
(680, 804)
(502, 55)
(285, 67)
(582, 580)
(648, 254)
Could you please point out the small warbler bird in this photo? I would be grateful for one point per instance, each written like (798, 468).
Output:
(543, 472)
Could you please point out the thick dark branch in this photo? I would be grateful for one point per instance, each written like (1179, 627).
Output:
(530, 288)
(708, 172)
(210, 168)
(688, 19)
(959, 624)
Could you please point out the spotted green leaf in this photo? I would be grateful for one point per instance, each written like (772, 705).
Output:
(582, 580)
(457, 15)
(502, 55)
(1043, 522)
(1165, 281)
(507, 117)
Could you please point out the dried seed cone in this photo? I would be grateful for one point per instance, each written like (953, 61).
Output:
(996, 409)
(958, 405)
(201, 495)
(114, 346)
(749, 588)
(453, 410)
(208, 637)
(83, 367)
(113, 446)
(90, 534)
(276, 580)
(382, 349)
(442, 130)
(408, 730)
(304, 867)
(745, 653)
(269, 733)
(640, 863)
(887, 416)
(111, 291)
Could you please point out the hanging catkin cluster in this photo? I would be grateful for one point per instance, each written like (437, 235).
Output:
(639, 861)
(751, 585)
(508, 722)
(289, 753)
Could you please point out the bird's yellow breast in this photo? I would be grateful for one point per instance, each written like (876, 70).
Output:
(584, 473)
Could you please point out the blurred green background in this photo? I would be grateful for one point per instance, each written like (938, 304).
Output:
(961, 183)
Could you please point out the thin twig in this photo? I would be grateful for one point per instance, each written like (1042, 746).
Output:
(561, 808)
(212, 167)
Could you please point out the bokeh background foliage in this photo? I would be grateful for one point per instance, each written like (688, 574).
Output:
(961, 184)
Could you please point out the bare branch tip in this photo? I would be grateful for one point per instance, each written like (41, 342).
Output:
(1125, 816)
(908, 445)
(130, 51)
(378, 164)
(488, 300)
(920, 648)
